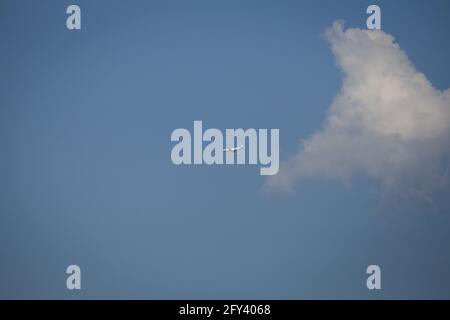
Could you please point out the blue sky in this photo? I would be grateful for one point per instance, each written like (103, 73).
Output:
(86, 175)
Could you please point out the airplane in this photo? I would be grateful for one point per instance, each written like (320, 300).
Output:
(231, 149)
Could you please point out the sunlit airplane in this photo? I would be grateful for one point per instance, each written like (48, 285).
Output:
(231, 149)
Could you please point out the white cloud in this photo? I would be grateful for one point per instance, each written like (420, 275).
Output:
(387, 121)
